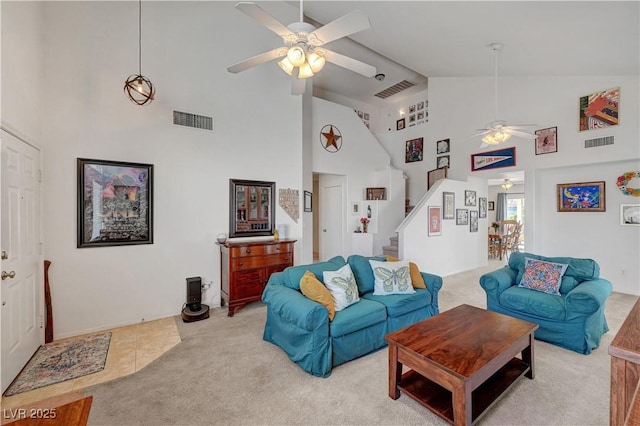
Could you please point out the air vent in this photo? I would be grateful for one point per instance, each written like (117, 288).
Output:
(592, 143)
(395, 89)
(192, 120)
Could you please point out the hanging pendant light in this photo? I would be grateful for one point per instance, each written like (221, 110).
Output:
(138, 87)
(506, 185)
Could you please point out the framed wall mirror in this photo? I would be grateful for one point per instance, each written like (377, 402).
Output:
(251, 208)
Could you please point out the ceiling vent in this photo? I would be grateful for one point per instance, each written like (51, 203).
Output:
(592, 143)
(395, 89)
(192, 120)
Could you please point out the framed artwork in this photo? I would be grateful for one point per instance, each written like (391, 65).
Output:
(376, 194)
(469, 198)
(420, 105)
(492, 205)
(482, 208)
(420, 115)
(462, 216)
(448, 205)
(435, 175)
(115, 203)
(581, 197)
(435, 221)
(599, 109)
(547, 140)
(443, 146)
(442, 161)
(412, 118)
(308, 201)
(412, 109)
(494, 159)
(365, 115)
(630, 214)
(355, 208)
(413, 150)
(400, 124)
(473, 221)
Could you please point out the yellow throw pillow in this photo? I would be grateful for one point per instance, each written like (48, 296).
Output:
(313, 288)
(416, 279)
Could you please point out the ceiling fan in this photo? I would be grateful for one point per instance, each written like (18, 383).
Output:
(499, 131)
(302, 54)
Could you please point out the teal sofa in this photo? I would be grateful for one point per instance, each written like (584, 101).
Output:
(573, 320)
(301, 327)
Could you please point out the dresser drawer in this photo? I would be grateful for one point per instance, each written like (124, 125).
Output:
(244, 251)
(248, 284)
(254, 262)
(278, 248)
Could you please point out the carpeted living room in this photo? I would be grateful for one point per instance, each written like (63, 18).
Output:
(203, 213)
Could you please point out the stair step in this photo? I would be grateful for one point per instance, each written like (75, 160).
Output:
(390, 251)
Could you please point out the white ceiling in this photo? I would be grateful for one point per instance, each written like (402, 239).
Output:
(451, 38)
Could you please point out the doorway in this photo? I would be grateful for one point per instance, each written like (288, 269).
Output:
(330, 224)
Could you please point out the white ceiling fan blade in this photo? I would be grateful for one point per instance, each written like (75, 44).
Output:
(258, 59)
(298, 85)
(259, 14)
(349, 63)
(350, 23)
(520, 134)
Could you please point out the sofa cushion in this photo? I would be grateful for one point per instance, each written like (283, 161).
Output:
(313, 289)
(343, 287)
(580, 269)
(391, 278)
(293, 274)
(568, 283)
(534, 303)
(398, 305)
(417, 281)
(542, 276)
(362, 271)
(360, 315)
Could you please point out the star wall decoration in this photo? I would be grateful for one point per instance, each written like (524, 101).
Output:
(331, 138)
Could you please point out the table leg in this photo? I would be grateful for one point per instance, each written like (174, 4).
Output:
(395, 371)
(528, 357)
(462, 404)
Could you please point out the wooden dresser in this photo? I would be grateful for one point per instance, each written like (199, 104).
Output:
(246, 267)
(625, 371)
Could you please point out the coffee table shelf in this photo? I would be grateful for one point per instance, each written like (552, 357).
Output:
(439, 400)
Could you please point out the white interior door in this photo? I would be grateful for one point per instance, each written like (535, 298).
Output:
(21, 288)
(331, 220)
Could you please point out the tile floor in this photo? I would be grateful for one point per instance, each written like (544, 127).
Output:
(132, 348)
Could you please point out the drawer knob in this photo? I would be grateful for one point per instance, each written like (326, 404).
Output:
(248, 250)
(278, 248)
(240, 264)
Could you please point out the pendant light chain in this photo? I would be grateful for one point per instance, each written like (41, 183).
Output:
(495, 80)
(140, 37)
(139, 88)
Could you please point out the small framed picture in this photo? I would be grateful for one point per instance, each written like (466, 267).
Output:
(448, 205)
(443, 146)
(442, 161)
(400, 124)
(413, 150)
(482, 208)
(355, 208)
(462, 216)
(365, 115)
(420, 115)
(435, 222)
(492, 205)
(308, 200)
(469, 198)
(581, 197)
(473, 221)
(412, 118)
(630, 214)
(547, 140)
(420, 105)
(412, 109)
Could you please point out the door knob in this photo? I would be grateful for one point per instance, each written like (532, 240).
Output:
(4, 275)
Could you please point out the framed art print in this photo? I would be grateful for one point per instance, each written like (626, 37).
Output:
(469, 198)
(400, 124)
(435, 222)
(493, 159)
(413, 150)
(630, 214)
(492, 205)
(482, 208)
(442, 161)
(115, 203)
(599, 109)
(443, 146)
(473, 221)
(308, 201)
(462, 216)
(546, 141)
(448, 205)
(581, 197)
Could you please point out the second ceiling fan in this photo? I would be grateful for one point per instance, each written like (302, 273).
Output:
(302, 54)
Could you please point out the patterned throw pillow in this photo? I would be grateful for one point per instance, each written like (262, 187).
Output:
(417, 281)
(342, 286)
(542, 276)
(391, 278)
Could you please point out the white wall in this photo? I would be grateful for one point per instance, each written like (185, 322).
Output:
(459, 106)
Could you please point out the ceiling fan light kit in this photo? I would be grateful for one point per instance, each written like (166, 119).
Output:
(301, 57)
(139, 88)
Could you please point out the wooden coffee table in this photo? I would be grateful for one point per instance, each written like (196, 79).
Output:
(461, 361)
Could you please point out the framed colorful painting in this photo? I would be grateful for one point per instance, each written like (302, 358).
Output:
(413, 150)
(599, 109)
(546, 141)
(505, 157)
(581, 197)
(435, 221)
(115, 201)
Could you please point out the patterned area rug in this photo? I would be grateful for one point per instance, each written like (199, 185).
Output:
(60, 361)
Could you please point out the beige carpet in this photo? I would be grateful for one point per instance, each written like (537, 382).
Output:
(224, 373)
